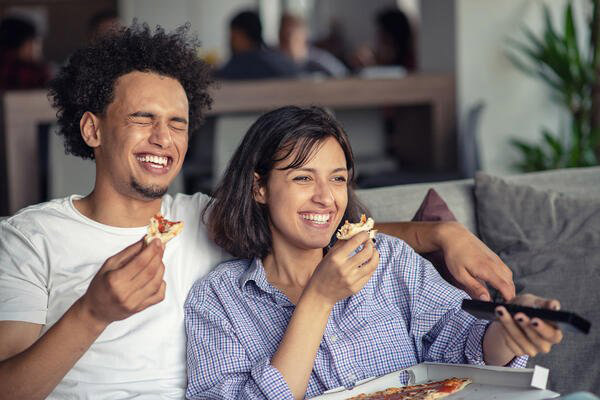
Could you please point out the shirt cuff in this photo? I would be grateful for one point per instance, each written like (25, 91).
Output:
(474, 346)
(518, 362)
(270, 381)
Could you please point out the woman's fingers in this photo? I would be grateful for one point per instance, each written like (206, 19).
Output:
(515, 332)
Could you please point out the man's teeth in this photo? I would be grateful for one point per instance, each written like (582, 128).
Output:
(318, 218)
(153, 159)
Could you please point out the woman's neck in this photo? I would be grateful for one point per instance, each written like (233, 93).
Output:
(290, 269)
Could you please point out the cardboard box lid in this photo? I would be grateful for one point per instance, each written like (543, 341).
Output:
(498, 383)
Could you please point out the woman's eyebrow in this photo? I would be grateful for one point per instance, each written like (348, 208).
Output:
(313, 170)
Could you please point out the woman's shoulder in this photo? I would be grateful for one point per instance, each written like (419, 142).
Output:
(222, 280)
(391, 247)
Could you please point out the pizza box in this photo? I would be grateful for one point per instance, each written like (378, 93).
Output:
(498, 383)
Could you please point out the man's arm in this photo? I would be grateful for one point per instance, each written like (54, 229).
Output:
(468, 259)
(127, 283)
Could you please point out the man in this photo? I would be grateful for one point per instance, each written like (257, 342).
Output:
(86, 309)
(293, 42)
(250, 57)
(21, 64)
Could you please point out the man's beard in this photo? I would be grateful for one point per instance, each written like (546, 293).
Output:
(149, 192)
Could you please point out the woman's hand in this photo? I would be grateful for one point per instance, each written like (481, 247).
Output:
(341, 274)
(520, 335)
(471, 263)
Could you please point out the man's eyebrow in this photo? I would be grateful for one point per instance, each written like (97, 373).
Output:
(179, 119)
(141, 114)
(146, 114)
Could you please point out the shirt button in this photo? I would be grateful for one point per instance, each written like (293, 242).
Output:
(333, 338)
(352, 377)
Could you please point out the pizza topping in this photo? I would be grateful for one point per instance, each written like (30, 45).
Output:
(348, 230)
(163, 229)
(426, 391)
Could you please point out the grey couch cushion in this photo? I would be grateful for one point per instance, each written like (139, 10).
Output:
(551, 241)
(399, 203)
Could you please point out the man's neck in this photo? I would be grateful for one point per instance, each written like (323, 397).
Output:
(118, 211)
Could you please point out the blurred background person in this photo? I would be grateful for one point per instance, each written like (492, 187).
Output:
(102, 23)
(294, 42)
(21, 64)
(250, 56)
(394, 43)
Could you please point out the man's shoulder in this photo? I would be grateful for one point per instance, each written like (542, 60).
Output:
(30, 217)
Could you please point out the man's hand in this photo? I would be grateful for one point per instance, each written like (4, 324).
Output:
(471, 262)
(127, 283)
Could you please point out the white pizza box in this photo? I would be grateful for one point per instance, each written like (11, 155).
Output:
(498, 383)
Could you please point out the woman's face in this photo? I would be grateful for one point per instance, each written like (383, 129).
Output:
(306, 204)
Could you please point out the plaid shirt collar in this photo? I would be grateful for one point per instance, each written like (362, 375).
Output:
(256, 273)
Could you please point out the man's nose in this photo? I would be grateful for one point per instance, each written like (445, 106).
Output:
(161, 135)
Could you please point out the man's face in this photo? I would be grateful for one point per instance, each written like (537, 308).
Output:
(143, 136)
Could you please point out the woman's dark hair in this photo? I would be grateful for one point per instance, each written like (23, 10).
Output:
(87, 81)
(235, 220)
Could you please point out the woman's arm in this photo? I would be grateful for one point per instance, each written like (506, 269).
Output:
(336, 278)
(468, 259)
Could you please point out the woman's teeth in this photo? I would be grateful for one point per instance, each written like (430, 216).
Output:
(153, 159)
(318, 218)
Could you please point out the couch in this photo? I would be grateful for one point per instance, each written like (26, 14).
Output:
(546, 228)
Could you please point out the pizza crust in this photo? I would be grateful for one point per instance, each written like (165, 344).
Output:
(163, 229)
(348, 230)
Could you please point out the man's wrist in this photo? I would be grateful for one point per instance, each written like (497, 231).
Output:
(81, 312)
(443, 232)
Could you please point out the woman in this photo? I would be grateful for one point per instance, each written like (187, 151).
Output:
(288, 319)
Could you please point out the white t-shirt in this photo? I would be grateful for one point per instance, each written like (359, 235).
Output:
(48, 255)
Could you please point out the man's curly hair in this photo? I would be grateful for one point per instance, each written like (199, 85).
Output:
(87, 81)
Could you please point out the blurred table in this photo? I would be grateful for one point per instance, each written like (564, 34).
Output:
(23, 112)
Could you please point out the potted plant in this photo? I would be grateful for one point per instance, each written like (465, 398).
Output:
(572, 75)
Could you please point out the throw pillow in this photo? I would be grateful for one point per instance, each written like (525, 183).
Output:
(551, 242)
(434, 208)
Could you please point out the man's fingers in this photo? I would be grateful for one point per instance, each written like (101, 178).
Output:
(137, 264)
(148, 290)
(154, 267)
(122, 257)
(498, 276)
(473, 287)
(155, 298)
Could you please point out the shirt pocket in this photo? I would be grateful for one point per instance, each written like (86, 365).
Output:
(381, 343)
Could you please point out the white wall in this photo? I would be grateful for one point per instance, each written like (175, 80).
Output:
(210, 18)
(516, 105)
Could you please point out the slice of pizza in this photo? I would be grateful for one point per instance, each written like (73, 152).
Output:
(426, 391)
(162, 228)
(348, 229)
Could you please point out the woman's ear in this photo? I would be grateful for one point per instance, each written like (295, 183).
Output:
(259, 191)
(89, 126)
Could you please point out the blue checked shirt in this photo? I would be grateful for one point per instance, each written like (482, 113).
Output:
(404, 315)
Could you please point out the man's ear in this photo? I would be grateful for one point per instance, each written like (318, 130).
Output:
(89, 126)
(259, 191)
